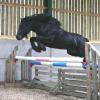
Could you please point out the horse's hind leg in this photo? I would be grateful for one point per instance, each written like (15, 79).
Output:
(80, 52)
(74, 52)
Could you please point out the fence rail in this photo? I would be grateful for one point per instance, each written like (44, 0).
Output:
(79, 16)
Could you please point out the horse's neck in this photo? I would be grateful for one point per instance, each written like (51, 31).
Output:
(35, 26)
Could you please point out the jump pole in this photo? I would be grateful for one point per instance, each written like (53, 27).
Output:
(61, 62)
(51, 59)
(58, 64)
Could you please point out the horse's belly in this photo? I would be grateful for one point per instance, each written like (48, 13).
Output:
(57, 45)
(62, 42)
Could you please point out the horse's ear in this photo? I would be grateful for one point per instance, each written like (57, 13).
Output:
(32, 16)
(22, 18)
(26, 16)
(26, 37)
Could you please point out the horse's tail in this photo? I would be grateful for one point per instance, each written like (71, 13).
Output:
(86, 40)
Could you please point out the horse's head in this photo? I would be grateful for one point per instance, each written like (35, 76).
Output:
(24, 28)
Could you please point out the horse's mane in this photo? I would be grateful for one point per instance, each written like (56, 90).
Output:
(45, 19)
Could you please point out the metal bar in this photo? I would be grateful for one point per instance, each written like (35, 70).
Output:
(22, 5)
(68, 15)
(98, 38)
(57, 64)
(74, 21)
(71, 20)
(76, 12)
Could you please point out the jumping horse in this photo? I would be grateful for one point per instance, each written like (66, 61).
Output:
(49, 33)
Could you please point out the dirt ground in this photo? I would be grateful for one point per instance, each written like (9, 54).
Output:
(30, 94)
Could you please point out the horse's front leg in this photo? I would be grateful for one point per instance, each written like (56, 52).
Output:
(36, 45)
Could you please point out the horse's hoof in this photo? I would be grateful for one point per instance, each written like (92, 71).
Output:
(44, 49)
(38, 50)
(42, 46)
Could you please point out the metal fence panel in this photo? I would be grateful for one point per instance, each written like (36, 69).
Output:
(78, 16)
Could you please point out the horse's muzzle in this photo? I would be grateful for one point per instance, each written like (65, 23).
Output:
(18, 37)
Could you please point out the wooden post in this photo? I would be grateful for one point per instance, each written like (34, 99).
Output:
(36, 72)
(29, 68)
(25, 69)
(22, 70)
(87, 55)
(62, 78)
(59, 78)
(10, 67)
(94, 78)
(99, 77)
(92, 86)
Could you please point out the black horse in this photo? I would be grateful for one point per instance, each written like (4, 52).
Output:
(50, 34)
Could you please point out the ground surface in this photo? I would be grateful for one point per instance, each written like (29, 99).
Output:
(30, 94)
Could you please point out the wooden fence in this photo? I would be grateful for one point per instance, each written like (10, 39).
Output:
(79, 16)
(12, 71)
(7, 64)
(70, 81)
(93, 85)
